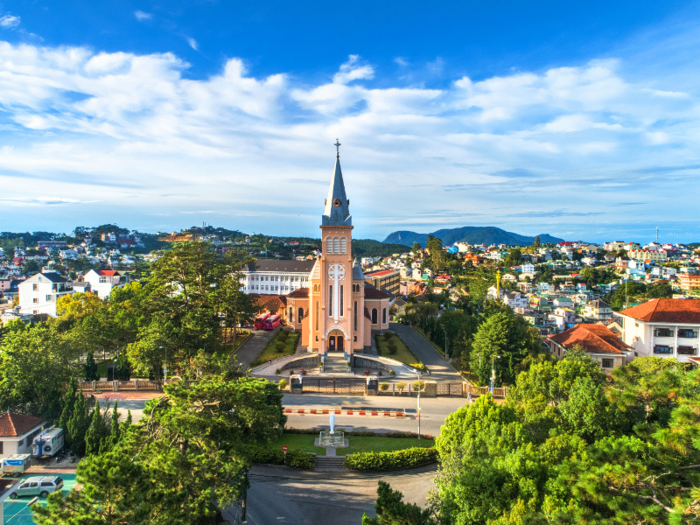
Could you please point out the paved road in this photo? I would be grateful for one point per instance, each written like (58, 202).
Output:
(291, 497)
(440, 370)
(255, 344)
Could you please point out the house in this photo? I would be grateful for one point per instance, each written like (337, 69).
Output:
(102, 281)
(563, 302)
(39, 293)
(664, 328)
(527, 268)
(596, 340)
(515, 300)
(563, 318)
(689, 282)
(597, 310)
(17, 432)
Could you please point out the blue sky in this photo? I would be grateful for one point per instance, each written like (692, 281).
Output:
(578, 120)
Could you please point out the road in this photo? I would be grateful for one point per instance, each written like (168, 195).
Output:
(440, 370)
(255, 344)
(291, 497)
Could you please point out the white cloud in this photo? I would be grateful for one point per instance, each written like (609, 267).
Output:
(193, 43)
(140, 16)
(9, 21)
(124, 129)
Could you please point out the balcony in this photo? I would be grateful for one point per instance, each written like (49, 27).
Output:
(687, 350)
(663, 350)
(663, 332)
(687, 334)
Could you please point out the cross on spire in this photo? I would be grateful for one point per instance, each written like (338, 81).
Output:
(337, 146)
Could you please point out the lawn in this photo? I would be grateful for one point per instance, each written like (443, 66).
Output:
(357, 444)
(270, 351)
(402, 354)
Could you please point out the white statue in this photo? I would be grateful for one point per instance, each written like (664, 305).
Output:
(332, 423)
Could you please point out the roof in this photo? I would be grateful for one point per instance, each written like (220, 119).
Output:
(357, 274)
(17, 424)
(299, 294)
(54, 277)
(682, 311)
(380, 273)
(372, 293)
(272, 303)
(107, 273)
(273, 265)
(593, 338)
(337, 211)
(598, 303)
(367, 314)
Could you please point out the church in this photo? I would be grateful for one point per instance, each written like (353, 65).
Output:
(337, 309)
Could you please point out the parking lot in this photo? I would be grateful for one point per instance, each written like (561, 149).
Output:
(16, 512)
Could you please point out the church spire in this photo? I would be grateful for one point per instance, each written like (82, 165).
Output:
(337, 212)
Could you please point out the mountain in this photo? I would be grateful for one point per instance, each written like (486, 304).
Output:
(471, 235)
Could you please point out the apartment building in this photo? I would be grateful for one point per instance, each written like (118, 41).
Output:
(664, 327)
(39, 293)
(688, 282)
(387, 280)
(276, 277)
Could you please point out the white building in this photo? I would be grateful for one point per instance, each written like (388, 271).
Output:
(597, 310)
(515, 300)
(17, 432)
(103, 281)
(664, 328)
(276, 277)
(528, 268)
(39, 293)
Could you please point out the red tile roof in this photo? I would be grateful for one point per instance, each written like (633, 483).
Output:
(593, 338)
(300, 293)
(17, 424)
(379, 273)
(272, 303)
(106, 273)
(683, 311)
(373, 293)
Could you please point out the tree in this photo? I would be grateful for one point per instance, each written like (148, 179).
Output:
(436, 256)
(78, 425)
(514, 258)
(391, 510)
(98, 432)
(123, 367)
(69, 400)
(183, 462)
(416, 249)
(90, 368)
(536, 243)
(115, 431)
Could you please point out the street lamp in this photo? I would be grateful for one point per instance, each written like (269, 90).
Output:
(418, 401)
(493, 371)
(165, 366)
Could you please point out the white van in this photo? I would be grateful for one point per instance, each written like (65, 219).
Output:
(48, 443)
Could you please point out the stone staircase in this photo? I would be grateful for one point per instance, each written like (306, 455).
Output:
(335, 364)
(330, 463)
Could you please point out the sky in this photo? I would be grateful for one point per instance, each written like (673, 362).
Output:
(577, 119)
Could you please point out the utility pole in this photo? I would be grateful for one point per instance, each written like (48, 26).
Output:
(493, 371)
(657, 235)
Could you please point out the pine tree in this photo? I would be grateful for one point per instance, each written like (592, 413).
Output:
(78, 425)
(97, 433)
(123, 367)
(69, 400)
(114, 431)
(90, 368)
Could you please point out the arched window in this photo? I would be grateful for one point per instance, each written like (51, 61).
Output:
(329, 245)
(291, 314)
(374, 316)
(343, 245)
(301, 314)
(384, 316)
(336, 245)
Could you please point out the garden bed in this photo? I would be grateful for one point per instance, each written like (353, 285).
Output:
(358, 444)
(270, 352)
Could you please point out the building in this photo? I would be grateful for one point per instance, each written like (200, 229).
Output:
(340, 309)
(597, 310)
(276, 277)
(663, 327)
(596, 340)
(17, 432)
(388, 280)
(39, 293)
(648, 255)
(515, 300)
(103, 281)
(50, 244)
(688, 282)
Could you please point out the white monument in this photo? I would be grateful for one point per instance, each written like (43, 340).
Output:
(332, 438)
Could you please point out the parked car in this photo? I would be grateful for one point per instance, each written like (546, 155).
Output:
(40, 486)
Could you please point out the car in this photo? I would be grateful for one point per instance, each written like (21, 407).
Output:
(40, 486)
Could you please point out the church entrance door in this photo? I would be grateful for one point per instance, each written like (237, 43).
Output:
(331, 343)
(339, 340)
(336, 342)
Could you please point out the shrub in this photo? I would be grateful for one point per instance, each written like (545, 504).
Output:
(283, 336)
(275, 456)
(401, 387)
(419, 366)
(278, 371)
(388, 335)
(418, 385)
(383, 386)
(280, 347)
(392, 347)
(400, 459)
(299, 459)
(391, 372)
(283, 384)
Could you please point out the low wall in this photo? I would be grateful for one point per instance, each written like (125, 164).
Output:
(305, 361)
(366, 362)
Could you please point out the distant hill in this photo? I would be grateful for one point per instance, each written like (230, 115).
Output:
(372, 248)
(471, 235)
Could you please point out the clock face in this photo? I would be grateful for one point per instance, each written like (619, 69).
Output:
(336, 203)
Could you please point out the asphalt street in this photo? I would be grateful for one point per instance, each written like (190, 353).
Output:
(291, 497)
(440, 370)
(255, 344)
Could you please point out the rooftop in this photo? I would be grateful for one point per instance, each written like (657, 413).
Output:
(281, 266)
(380, 273)
(12, 425)
(593, 338)
(682, 311)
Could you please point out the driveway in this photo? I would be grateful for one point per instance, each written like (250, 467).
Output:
(255, 344)
(295, 497)
(440, 370)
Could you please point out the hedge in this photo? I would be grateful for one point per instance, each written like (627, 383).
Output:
(399, 460)
(360, 433)
(295, 458)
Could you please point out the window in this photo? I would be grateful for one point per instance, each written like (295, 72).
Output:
(21, 442)
(687, 333)
(342, 309)
(317, 317)
(2, 447)
(103, 280)
(686, 350)
(35, 300)
(46, 484)
(384, 316)
(608, 363)
(354, 317)
(343, 245)
(662, 349)
(330, 301)
(374, 316)
(354, 338)
(336, 245)
(663, 332)
(301, 314)
(35, 287)
(329, 245)
(48, 298)
(291, 314)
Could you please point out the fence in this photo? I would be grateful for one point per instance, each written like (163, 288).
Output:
(334, 385)
(115, 386)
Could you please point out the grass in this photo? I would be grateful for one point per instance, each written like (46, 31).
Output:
(102, 370)
(403, 353)
(240, 339)
(434, 345)
(270, 352)
(357, 444)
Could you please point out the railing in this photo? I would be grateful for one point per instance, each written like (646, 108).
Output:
(687, 350)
